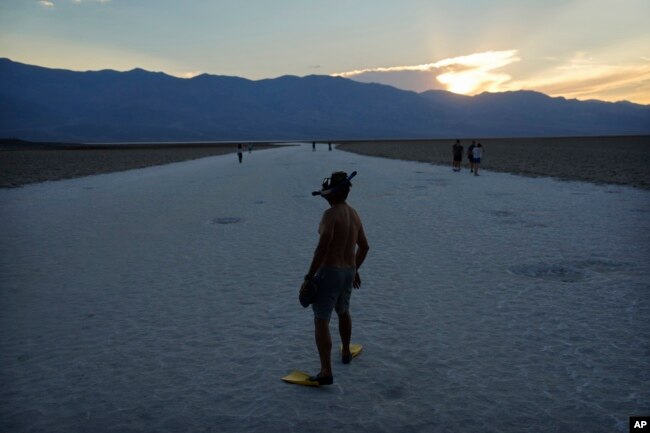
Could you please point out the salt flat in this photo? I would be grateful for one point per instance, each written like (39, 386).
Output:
(165, 299)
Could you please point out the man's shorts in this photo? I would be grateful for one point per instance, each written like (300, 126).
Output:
(470, 159)
(477, 160)
(458, 158)
(334, 291)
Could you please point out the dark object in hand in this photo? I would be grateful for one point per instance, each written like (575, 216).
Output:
(307, 292)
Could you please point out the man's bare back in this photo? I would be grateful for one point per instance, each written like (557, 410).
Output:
(344, 225)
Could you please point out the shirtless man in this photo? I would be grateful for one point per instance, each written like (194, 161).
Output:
(335, 269)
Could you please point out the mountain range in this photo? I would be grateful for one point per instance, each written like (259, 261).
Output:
(43, 104)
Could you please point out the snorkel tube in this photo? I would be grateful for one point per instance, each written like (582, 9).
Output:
(334, 188)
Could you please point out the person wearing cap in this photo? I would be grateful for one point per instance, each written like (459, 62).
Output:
(342, 249)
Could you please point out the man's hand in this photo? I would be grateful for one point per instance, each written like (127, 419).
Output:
(357, 281)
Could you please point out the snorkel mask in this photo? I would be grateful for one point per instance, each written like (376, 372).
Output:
(328, 188)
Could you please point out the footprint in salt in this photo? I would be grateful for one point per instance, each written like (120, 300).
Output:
(602, 266)
(505, 217)
(503, 213)
(227, 220)
(437, 182)
(562, 272)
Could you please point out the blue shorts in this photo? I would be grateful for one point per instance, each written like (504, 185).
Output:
(477, 160)
(334, 291)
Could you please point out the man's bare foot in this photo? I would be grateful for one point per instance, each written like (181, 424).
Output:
(322, 379)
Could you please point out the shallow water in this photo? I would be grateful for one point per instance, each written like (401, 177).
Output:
(165, 299)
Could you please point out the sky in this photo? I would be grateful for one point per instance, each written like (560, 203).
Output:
(584, 49)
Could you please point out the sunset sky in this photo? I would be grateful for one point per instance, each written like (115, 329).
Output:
(585, 49)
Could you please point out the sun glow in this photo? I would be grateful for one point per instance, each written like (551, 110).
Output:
(189, 74)
(475, 73)
(458, 83)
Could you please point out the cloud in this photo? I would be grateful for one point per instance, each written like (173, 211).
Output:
(579, 76)
(582, 77)
(50, 3)
(469, 74)
(418, 81)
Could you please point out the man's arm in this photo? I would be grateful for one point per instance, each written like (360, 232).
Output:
(362, 251)
(326, 236)
(363, 247)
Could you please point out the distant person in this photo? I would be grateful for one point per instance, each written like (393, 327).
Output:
(342, 248)
(470, 156)
(313, 146)
(330, 146)
(457, 151)
(477, 153)
(250, 147)
(240, 152)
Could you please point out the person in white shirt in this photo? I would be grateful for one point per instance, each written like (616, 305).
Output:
(477, 152)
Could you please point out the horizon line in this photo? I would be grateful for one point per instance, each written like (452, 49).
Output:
(334, 76)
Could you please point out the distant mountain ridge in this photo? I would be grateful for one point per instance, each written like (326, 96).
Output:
(44, 104)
